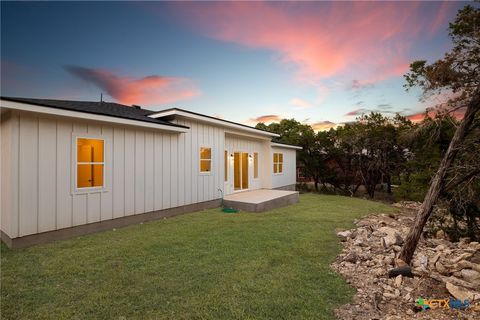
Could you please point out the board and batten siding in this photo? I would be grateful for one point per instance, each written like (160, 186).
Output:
(288, 176)
(145, 170)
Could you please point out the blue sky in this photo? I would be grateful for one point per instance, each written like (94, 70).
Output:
(321, 63)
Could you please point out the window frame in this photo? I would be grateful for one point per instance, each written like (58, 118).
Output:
(75, 163)
(205, 173)
(277, 163)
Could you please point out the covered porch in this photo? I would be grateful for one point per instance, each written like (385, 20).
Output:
(260, 200)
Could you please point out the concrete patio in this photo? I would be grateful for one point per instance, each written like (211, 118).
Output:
(260, 200)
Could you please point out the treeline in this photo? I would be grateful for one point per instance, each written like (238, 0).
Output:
(380, 152)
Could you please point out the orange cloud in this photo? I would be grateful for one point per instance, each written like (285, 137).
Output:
(420, 116)
(319, 40)
(323, 125)
(147, 90)
(265, 119)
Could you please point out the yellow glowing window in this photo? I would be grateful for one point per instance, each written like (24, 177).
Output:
(225, 161)
(277, 162)
(255, 165)
(90, 163)
(205, 159)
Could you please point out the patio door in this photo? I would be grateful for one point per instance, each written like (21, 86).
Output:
(240, 171)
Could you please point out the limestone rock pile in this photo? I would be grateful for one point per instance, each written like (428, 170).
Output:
(440, 269)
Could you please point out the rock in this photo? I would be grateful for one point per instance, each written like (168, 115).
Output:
(435, 259)
(379, 272)
(463, 256)
(407, 297)
(461, 293)
(423, 261)
(400, 263)
(470, 275)
(352, 257)
(389, 295)
(441, 269)
(405, 271)
(475, 258)
(396, 248)
(398, 280)
(344, 234)
(358, 242)
(440, 234)
(392, 237)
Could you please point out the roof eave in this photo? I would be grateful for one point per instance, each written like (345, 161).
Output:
(31, 107)
(283, 145)
(212, 120)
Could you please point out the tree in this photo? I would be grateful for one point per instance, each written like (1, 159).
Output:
(457, 73)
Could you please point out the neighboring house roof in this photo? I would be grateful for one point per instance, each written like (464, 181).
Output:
(171, 112)
(110, 109)
(285, 145)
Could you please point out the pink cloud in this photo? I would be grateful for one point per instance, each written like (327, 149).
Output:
(418, 117)
(265, 119)
(318, 40)
(148, 90)
(357, 112)
(323, 125)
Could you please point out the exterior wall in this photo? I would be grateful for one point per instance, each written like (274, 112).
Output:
(145, 170)
(7, 157)
(236, 143)
(288, 176)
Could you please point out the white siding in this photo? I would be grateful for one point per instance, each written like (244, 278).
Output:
(288, 176)
(235, 143)
(145, 170)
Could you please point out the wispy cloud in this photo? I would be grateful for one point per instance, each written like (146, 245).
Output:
(357, 112)
(360, 85)
(269, 118)
(418, 117)
(300, 103)
(372, 41)
(147, 90)
(323, 125)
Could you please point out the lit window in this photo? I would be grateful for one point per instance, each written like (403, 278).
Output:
(225, 161)
(205, 159)
(277, 162)
(255, 165)
(90, 163)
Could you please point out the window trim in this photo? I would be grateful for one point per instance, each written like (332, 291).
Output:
(74, 161)
(200, 172)
(257, 167)
(277, 163)
(226, 157)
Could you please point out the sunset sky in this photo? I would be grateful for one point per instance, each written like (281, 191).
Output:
(321, 63)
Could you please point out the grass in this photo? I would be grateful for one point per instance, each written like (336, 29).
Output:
(205, 265)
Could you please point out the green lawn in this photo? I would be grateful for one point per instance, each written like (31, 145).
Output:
(205, 265)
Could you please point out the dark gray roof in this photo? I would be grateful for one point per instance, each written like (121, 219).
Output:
(100, 108)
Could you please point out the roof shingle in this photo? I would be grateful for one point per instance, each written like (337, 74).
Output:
(100, 108)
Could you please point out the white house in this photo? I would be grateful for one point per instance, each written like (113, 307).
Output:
(75, 167)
